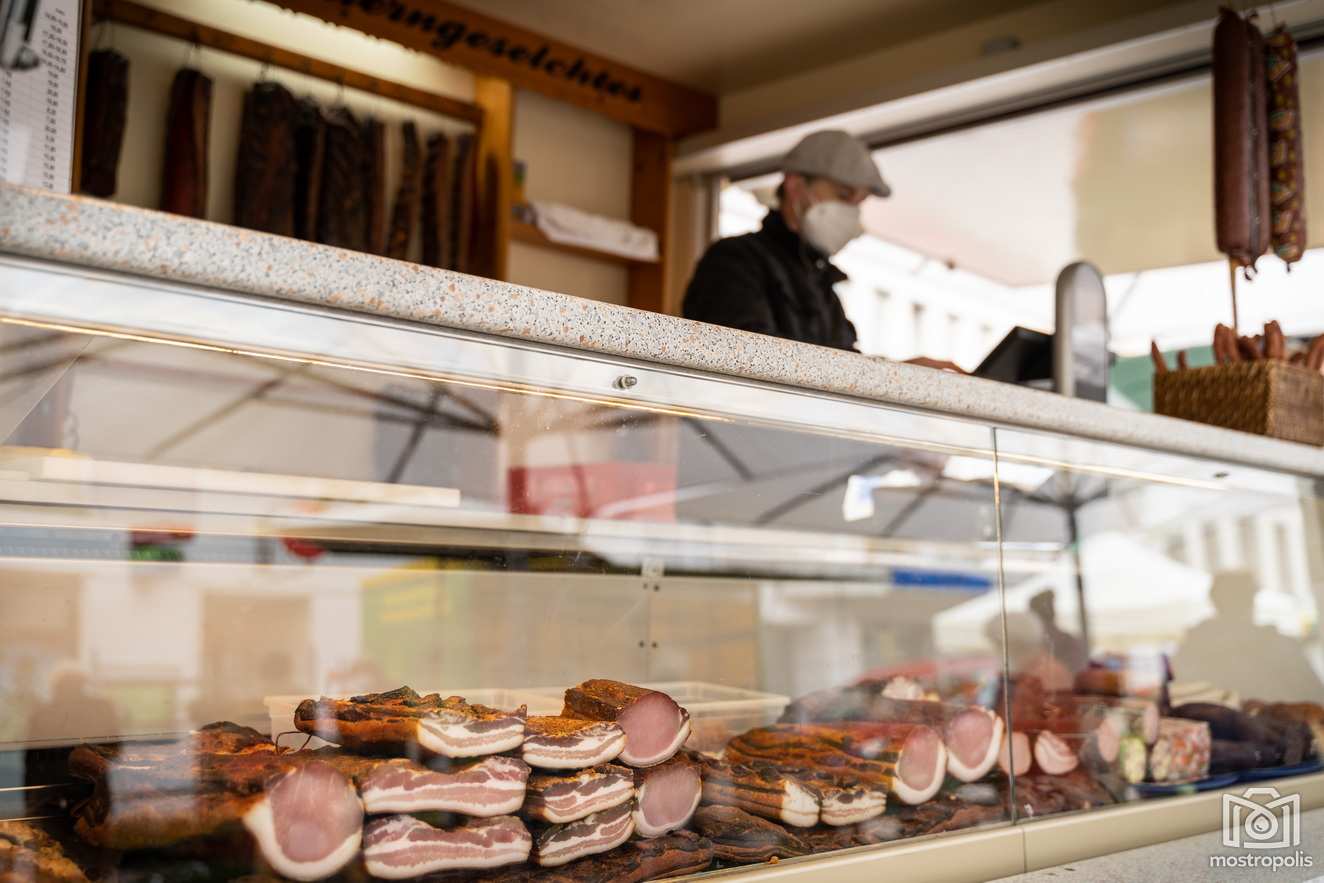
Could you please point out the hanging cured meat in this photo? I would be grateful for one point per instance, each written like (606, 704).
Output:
(591, 835)
(655, 726)
(1287, 158)
(341, 212)
(105, 108)
(374, 186)
(557, 798)
(436, 202)
(742, 838)
(666, 796)
(188, 126)
(404, 213)
(401, 722)
(1241, 143)
(309, 146)
(403, 847)
(566, 743)
(266, 168)
(461, 206)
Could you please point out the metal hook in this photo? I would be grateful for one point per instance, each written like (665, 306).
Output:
(265, 71)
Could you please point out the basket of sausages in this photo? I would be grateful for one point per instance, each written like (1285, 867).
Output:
(1255, 385)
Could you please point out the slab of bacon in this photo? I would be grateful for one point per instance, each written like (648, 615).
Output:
(906, 759)
(401, 722)
(567, 743)
(557, 798)
(493, 786)
(401, 847)
(666, 796)
(761, 789)
(971, 735)
(655, 726)
(843, 800)
(743, 838)
(591, 835)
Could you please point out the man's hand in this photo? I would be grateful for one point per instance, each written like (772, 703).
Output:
(941, 365)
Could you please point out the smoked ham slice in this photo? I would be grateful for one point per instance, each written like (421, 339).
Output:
(907, 759)
(597, 833)
(1014, 757)
(493, 786)
(557, 798)
(655, 726)
(666, 796)
(566, 743)
(1053, 755)
(761, 789)
(308, 824)
(742, 838)
(402, 847)
(401, 722)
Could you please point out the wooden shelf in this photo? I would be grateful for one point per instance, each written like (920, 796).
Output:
(529, 234)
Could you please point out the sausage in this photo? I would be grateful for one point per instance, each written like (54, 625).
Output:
(188, 122)
(1241, 153)
(1315, 355)
(1248, 348)
(1287, 172)
(1275, 345)
(1225, 345)
(1160, 366)
(1182, 364)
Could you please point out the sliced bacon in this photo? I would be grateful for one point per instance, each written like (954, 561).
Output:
(761, 789)
(493, 786)
(1014, 757)
(666, 796)
(565, 743)
(401, 722)
(600, 832)
(842, 800)
(655, 726)
(557, 798)
(309, 822)
(401, 847)
(1053, 755)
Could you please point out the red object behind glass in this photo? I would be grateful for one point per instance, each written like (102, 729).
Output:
(616, 490)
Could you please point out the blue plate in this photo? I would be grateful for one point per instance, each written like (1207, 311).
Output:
(1164, 789)
(1278, 772)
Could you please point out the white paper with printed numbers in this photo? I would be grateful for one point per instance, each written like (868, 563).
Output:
(38, 77)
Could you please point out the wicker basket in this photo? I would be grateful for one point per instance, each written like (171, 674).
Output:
(1266, 397)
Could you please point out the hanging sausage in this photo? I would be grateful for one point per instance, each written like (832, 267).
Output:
(309, 143)
(1287, 186)
(104, 111)
(188, 124)
(341, 217)
(405, 211)
(436, 203)
(1241, 152)
(265, 170)
(462, 203)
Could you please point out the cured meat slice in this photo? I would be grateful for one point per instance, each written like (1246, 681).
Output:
(655, 726)
(1053, 755)
(436, 213)
(404, 213)
(971, 735)
(566, 743)
(907, 759)
(493, 786)
(1182, 751)
(341, 213)
(1014, 757)
(309, 148)
(188, 123)
(308, 824)
(29, 854)
(560, 798)
(761, 789)
(105, 110)
(591, 835)
(266, 169)
(743, 838)
(841, 800)
(666, 796)
(402, 722)
(1132, 759)
(402, 847)
(374, 186)
(674, 855)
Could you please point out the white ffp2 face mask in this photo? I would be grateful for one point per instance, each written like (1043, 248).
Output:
(830, 225)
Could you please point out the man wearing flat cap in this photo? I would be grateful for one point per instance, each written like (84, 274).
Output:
(779, 280)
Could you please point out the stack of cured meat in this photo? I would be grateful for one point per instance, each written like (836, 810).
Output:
(417, 785)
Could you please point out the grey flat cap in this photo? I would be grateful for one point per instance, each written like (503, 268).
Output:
(840, 156)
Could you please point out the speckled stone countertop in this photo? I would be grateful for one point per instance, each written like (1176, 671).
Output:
(1188, 860)
(107, 236)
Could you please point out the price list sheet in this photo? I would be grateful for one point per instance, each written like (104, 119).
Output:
(38, 75)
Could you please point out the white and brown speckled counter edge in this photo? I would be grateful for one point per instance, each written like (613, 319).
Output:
(107, 236)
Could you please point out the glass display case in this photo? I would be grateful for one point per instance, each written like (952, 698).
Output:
(880, 624)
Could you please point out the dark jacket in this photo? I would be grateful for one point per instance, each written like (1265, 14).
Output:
(772, 282)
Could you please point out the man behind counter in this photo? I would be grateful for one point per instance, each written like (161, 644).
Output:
(779, 280)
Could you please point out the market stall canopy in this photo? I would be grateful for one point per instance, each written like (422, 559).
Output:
(1124, 182)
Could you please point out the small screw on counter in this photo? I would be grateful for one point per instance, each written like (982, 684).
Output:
(626, 381)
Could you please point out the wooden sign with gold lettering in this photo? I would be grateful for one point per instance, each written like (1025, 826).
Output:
(489, 46)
